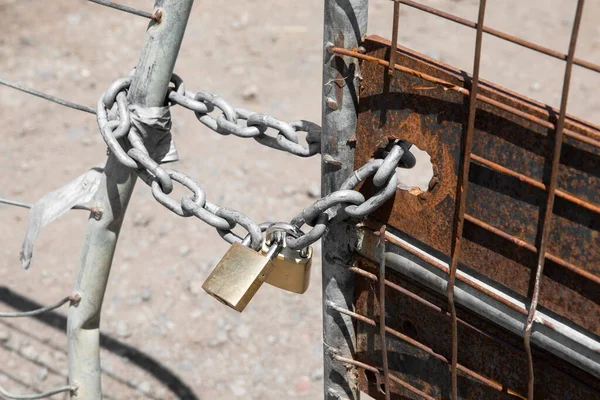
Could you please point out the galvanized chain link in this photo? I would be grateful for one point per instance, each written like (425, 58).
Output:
(114, 120)
(247, 124)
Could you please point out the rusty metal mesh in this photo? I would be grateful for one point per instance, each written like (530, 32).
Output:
(412, 311)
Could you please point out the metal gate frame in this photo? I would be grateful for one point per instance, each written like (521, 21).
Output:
(345, 26)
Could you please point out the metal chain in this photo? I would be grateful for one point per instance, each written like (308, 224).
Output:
(247, 124)
(114, 121)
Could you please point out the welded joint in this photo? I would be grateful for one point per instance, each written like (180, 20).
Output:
(97, 213)
(332, 103)
(329, 48)
(331, 160)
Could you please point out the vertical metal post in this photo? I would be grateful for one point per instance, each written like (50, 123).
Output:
(148, 89)
(345, 24)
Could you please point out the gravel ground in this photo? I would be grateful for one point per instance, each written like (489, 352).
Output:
(262, 55)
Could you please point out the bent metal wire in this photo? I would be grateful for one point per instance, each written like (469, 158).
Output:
(114, 121)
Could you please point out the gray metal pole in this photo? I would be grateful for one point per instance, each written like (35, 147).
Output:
(148, 89)
(345, 25)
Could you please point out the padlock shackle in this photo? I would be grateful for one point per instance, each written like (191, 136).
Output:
(286, 227)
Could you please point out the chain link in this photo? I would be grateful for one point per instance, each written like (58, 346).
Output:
(123, 141)
(247, 124)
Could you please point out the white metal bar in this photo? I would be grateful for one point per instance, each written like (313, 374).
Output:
(148, 89)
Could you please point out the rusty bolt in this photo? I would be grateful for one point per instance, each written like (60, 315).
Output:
(75, 298)
(157, 16)
(331, 103)
(96, 213)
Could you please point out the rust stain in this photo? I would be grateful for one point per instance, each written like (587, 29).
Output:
(435, 121)
(492, 367)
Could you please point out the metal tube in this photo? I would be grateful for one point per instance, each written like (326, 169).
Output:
(345, 23)
(424, 348)
(558, 336)
(148, 89)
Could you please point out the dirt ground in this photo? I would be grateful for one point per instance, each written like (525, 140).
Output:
(166, 338)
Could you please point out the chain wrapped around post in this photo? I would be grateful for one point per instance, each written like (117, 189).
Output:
(115, 117)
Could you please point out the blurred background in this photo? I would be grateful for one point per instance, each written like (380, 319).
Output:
(164, 336)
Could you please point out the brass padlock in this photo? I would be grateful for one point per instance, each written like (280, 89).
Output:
(291, 270)
(239, 275)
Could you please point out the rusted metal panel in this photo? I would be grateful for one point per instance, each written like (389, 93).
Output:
(488, 351)
(410, 108)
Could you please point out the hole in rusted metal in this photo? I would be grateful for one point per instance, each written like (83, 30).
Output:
(416, 180)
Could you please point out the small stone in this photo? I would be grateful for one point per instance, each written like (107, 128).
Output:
(146, 295)
(145, 387)
(303, 385)
(237, 388)
(238, 70)
(163, 230)
(42, 373)
(76, 132)
(205, 266)
(243, 331)
(59, 356)
(123, 330)
(141, 220)
(87, 140)
(317, 374)
(271, 339)
(250, 93)
(25, 41)
(4, 336)
(222, 323)
(184, 251)
(195, 287)
(535, 86)
(30, 353)
(185, 365)
(219, 340)
(289, 190)
(73, 19)
(314, 192)
(13, 343)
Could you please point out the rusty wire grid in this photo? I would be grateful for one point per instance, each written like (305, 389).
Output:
(370, 300)
(382, 293)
